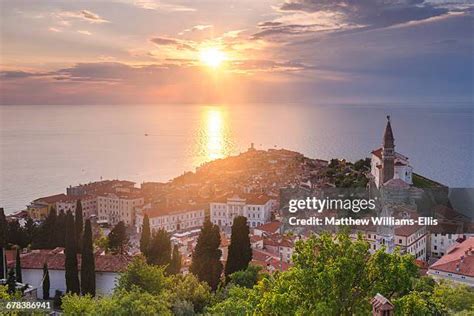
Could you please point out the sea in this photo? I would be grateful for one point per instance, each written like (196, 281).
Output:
(46, 148)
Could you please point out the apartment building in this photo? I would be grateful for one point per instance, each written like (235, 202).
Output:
(120, 206)
(171, 219)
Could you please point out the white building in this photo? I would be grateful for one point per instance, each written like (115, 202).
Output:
(171, 219)
(257, 210)
(107, 268)
(457, 264)
(69, 203)
(387, 164)
(120, 206)
(441, 242)
(410, 239)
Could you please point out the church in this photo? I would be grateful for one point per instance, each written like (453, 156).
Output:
(389, 168)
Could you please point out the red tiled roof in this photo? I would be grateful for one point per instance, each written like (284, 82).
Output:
(252, 199)
(377, 152)
(451, 261)
(52, 198)
(396, 184)
(407, 230)
(55, 259)
(271, 227)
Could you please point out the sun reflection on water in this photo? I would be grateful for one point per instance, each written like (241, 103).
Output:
(214, 135)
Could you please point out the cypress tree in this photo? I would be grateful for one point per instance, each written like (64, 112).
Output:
(175, 264)
(18, 266)
(240, 251)
(3, 243)
(46, 284)
(72, 277)
(159, 250)
(60, 231)
(79, 224)
(88, 263)
(51, 228)
(206, 264)
(145, 237)
(118, 238)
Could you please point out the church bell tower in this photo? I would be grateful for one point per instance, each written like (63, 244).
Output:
(388, 153)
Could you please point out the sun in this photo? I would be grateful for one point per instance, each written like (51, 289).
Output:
(212, 57)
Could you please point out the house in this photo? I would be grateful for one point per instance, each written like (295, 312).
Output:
(107, 267)
(381, 306)
(39, 208)
(457, 264)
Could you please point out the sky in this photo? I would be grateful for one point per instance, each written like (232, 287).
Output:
(221, 51)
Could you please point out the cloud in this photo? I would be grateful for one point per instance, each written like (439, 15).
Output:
(83, 32)
(374, 13)
(84, 15)
(177, 43)
(158, 5)
(263, 65)
(199, 27)
(53, 29)
(308, 16)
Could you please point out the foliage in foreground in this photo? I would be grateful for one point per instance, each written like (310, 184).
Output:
(330, 276)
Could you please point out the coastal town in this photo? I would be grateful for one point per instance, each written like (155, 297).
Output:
(249, 185)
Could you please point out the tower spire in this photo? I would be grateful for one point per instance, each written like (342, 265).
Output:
(388, 153)
(388, 139)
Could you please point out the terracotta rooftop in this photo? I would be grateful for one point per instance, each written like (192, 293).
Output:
(270, 228)
(252, 199)
(55, 259)
(52, 198)
(396, 184)
(459, 259)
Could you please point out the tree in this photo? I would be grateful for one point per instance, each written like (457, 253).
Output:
(79, 224)
(16, 234)
(118, 239)
(175, 264)
(30, 231)
(335, 275)
(187, 288)
(455, 297)
(60, 231)
(159, 249)
(206, 263)
(240, 252)
(143, 276)
(145, 237)
(18, 266)
(419, 303)
(46, 283)
(88, 262)
(45, 237)
(3, 242)
(11, 282)
(120, 303)
(247, 278)
(240, 301)
(72, 277)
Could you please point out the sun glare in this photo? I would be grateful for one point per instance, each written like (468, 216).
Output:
(212, 57)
